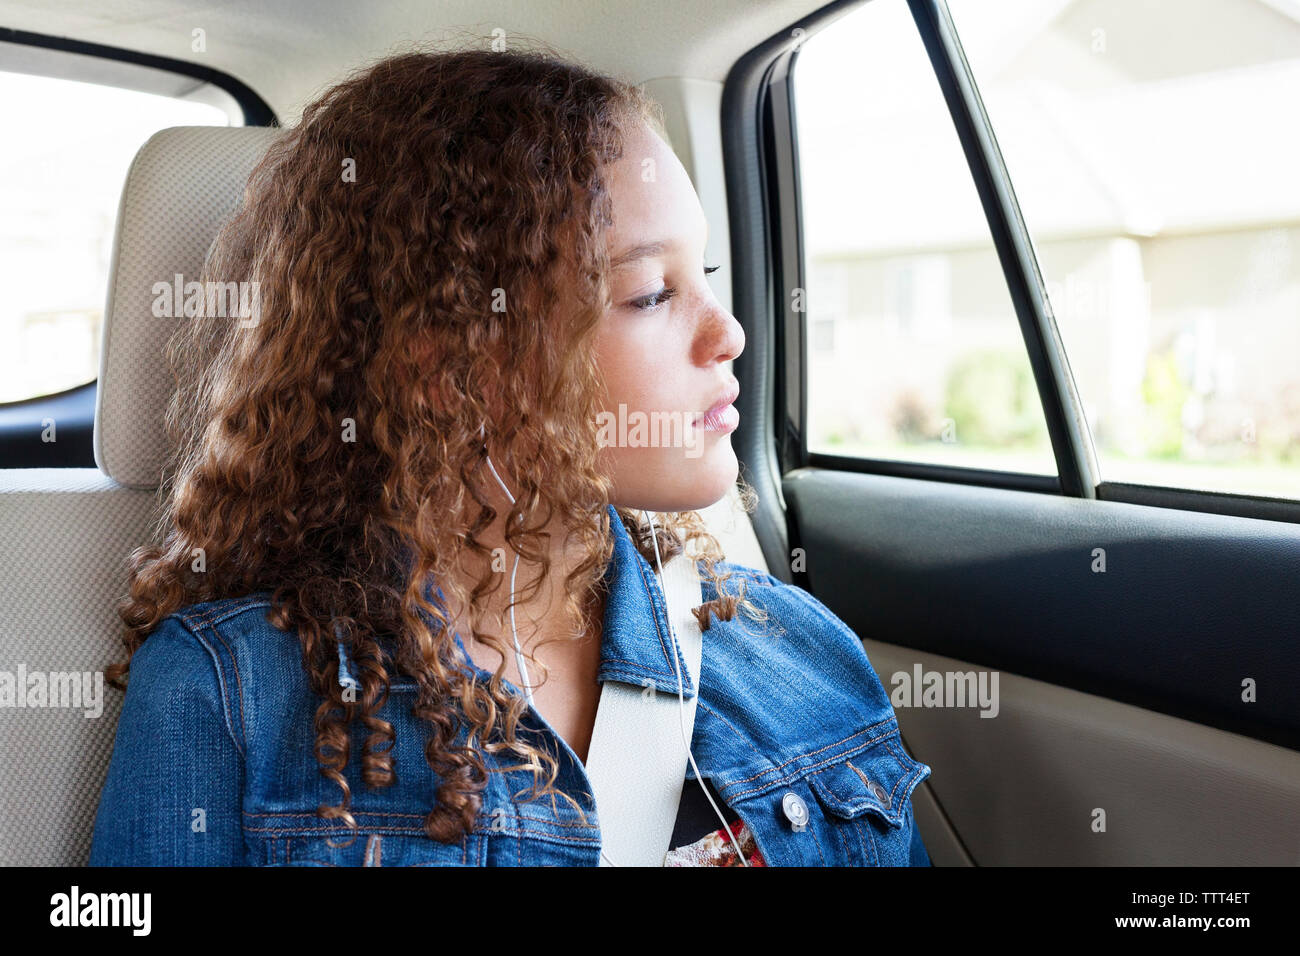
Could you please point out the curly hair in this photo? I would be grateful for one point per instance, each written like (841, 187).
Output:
(323, 453)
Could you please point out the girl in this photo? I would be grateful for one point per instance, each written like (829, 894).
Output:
(467, 262)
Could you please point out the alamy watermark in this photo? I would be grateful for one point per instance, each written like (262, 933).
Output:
(637, 429)
(22, 689)
(946, 689)
(178, 298)
(75, 908)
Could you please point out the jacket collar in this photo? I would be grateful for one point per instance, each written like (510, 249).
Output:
(636, 646)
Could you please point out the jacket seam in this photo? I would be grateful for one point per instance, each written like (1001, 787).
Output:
(654, 605)
(813, 768)
(817, 842)
(637, 665)
(221, 684)
(522, 832)
(917, 771)
(221, 611)
(660, 615)
(485, 818)
(239, 685)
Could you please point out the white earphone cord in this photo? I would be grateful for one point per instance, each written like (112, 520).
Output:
(681, 701)
(681, 695)
(519, 654)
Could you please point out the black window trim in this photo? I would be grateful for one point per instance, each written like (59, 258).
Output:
(1062, 407)
(257, 112)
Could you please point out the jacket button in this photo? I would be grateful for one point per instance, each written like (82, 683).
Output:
(796, 811)
(880, 793)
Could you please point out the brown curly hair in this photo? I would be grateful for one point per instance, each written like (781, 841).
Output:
(478, 179)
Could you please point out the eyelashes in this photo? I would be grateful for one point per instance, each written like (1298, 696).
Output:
(655, 299)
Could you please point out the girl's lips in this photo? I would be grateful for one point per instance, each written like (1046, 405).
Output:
(722, 418)
(718, 412)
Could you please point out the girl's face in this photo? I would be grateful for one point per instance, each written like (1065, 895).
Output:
(664, 345)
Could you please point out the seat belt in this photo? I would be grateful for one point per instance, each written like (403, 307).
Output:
(637, 759)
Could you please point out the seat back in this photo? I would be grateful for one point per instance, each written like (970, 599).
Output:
(66, 534)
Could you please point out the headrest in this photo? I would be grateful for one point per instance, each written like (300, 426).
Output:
(182, 185)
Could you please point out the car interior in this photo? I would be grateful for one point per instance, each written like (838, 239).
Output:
(905, 243)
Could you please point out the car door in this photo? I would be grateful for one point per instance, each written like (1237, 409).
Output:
(1043, 461)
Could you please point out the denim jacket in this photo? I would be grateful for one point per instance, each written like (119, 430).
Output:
(214, 760)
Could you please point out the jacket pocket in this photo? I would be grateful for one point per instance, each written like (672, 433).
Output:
(866, 804)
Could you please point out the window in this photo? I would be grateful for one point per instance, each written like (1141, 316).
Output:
(68, 146)
(1153, 152)
(928, 362)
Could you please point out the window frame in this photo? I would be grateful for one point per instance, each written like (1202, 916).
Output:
(256, 111)
(73, 59)
(758, 116)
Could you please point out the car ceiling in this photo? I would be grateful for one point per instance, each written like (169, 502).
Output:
(290, 51)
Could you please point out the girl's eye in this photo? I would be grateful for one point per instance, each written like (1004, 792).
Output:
(655, 299)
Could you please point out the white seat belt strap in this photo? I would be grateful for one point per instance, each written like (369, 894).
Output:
(637, 758)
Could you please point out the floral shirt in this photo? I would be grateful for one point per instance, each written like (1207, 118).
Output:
(715, 848)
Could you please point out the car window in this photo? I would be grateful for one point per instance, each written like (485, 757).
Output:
(68, 146)
(1154, 160)
(914, 351)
